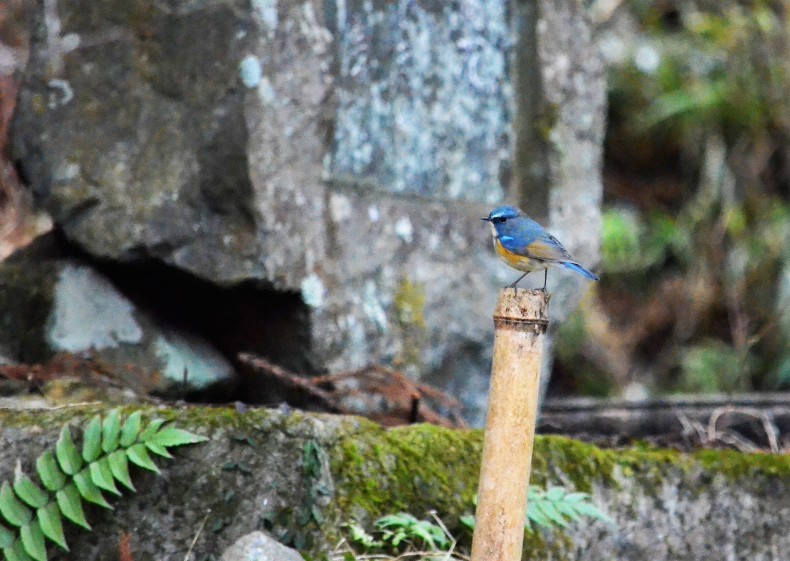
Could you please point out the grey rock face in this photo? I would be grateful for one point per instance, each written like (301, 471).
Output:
(423, 97)
(572, 107)
(257, 546)
(58, 304)
(342, 151)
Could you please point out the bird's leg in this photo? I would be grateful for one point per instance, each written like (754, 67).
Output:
(545, 278)
(513, 286)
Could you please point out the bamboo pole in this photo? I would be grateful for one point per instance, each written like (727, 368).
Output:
(520, 321)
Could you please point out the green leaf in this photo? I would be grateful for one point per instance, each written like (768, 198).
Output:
(27, 490)
(70, 505)
(33, 540)
(131, 429)
(158, 449)
(7, 537)
(111, 431)
(576, 497)
(139, 455)
(89, 491)
(119, 466)
(171, 436)
(395, 520)
(552, 513)
(69, 459)
(11, 508)
(425, 536)
(431, 535)
(91, 440)
(318, 516)
(536, 515)
(152, 428)
(16, 552)
(360, 536)
(49, 472)
(554, 494)
(468, 520)
(101, 475)
(49, 520)
(568, 510)
(557, 508)
(591, 511)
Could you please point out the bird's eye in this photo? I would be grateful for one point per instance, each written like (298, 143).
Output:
(500, 219)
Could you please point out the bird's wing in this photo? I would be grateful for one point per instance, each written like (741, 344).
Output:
(548, 248)
(537, 245)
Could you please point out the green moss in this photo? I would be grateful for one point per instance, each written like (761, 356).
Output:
(409, 310)
(419, 468)
(208, 418)
(579, 462)
(736, 465)
(413, 469)
(409, 303)
(548, 120)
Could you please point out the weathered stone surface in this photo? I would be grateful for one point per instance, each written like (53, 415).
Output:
(57, 303)
(300, 476)
(424, 99)
(257, 546)
(559, 136)
(342, 151)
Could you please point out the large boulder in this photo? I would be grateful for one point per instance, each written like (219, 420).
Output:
(342, 152)
(300, 477)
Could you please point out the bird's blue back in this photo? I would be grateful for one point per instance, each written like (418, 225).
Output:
(519, 232)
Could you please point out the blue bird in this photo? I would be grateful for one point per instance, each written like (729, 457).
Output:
(523, 244)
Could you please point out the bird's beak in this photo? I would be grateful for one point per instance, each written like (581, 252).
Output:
(486, 218)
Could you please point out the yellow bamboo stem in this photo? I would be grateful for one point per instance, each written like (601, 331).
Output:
(520, 321)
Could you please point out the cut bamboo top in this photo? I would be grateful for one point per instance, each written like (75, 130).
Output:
(522, 309)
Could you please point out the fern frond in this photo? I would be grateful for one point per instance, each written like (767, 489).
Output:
(557, 508)
(68, 476)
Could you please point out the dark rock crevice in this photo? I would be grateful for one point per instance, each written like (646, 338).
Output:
(247, 317)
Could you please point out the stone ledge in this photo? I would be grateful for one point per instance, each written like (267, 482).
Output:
(252, 476)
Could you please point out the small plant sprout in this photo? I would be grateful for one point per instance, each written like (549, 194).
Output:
(403, 536)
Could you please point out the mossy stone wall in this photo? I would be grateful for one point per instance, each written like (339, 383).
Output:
(301, 476)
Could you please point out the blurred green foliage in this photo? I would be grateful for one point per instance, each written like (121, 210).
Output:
(713, 366)
(695, 292)
(720, 65)
(631, 242)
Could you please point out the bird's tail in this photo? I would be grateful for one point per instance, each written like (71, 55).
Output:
(579, 269)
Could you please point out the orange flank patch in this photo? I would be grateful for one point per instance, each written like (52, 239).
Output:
(518, 262)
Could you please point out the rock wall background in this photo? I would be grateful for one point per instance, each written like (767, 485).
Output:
(325, 162)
